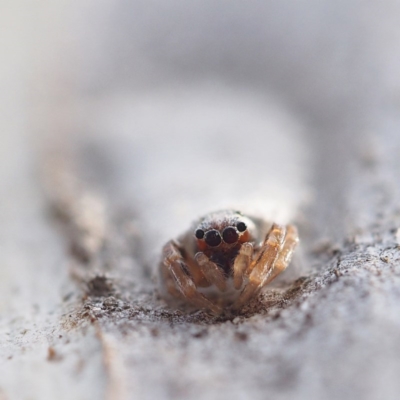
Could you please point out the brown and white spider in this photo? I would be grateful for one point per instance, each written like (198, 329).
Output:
(225, 260)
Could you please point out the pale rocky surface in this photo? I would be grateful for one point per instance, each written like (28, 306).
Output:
(122, 123)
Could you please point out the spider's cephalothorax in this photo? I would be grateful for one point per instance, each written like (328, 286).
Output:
(220, 235)
(225, 259)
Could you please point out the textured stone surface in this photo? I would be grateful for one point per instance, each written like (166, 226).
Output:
(110, 147)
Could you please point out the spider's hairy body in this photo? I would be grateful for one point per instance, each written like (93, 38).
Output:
(225, 259)
(225, 253)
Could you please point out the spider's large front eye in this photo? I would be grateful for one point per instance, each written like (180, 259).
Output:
(241, 226)
(230, 235)
(199, 233)
(213, 238)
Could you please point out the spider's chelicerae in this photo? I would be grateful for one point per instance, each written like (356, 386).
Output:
(225, 260)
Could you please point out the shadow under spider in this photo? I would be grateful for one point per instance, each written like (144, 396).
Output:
(150, 309)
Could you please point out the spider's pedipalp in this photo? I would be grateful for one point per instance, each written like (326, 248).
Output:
(211, 271)
(241, 264)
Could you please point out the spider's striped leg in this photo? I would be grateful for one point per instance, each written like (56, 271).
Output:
(263, 266)
(178, 270)
(285, 255)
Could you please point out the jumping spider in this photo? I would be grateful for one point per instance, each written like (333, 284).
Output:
(225, 260)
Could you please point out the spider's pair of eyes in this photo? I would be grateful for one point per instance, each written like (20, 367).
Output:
(229, 235)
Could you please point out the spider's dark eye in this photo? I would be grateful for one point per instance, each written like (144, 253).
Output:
(199, 233)
(230, 235)
(213, 238)
(241, 226)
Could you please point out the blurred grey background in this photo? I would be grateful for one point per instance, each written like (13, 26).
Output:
(330, 67)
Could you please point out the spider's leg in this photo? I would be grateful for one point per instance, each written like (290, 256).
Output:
(262, 267)
(174, 263)
(241, 264)
(285, 255)
(169, 282)
(211, 271)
